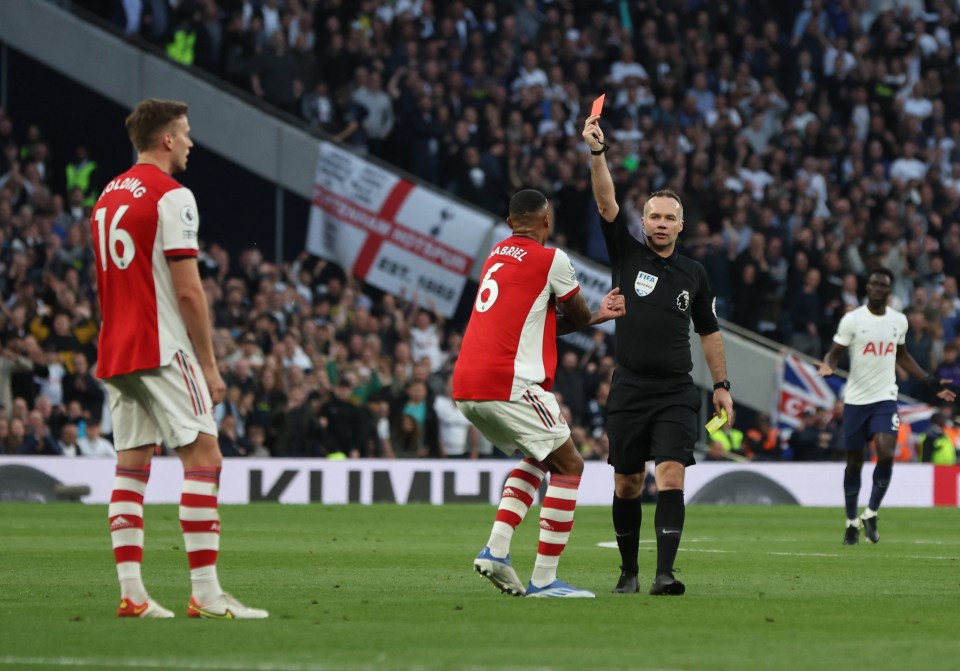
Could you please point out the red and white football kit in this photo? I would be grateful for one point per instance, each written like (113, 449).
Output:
(502, 383)
(510, 341)
(509, 351)
(141, 218)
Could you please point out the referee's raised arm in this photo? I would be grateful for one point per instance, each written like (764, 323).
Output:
(603, 190)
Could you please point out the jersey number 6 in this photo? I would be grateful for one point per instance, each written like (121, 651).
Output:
(117, 237)
(491, 287)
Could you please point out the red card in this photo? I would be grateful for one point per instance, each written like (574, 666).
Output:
(597, 105)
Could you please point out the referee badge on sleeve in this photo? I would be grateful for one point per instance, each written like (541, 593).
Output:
(645, 284)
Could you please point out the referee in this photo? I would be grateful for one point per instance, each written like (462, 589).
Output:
(653, 409)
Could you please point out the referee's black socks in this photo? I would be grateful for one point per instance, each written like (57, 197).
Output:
(626, 524)
(669, 524)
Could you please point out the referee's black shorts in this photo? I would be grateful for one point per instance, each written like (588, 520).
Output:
(651, 418)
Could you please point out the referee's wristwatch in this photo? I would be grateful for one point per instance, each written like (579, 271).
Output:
(725, 384)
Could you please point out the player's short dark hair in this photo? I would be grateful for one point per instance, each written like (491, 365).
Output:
(886, 272)
(526, 202)
(150, 118)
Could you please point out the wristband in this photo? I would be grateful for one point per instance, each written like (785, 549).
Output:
(604, 148)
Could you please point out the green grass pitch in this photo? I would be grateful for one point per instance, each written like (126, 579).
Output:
(391, 587)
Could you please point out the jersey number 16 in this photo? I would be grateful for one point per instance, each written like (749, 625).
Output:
(118, 241)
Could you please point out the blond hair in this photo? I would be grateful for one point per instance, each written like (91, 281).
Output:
(150, 119)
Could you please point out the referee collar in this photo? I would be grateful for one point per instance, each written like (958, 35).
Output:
(654, 256)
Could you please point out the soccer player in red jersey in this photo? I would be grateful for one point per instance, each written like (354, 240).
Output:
(156, 358)
(502, 383)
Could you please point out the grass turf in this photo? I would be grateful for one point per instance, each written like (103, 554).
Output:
(391, 587)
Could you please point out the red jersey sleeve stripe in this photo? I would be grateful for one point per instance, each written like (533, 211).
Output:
(567, 296)
(181, 252)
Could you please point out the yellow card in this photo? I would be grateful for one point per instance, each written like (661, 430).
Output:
(717, 421)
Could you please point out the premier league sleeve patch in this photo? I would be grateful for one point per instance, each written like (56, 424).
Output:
(189, 216)
(645, 284)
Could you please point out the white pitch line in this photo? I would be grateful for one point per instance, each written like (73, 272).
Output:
(80, 662)
(613, 545)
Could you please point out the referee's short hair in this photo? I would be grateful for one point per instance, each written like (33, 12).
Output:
(526, 202)
(664, 193)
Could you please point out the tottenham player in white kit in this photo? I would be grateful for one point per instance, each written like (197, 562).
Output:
(874, 334)
(156, 358)
(502, 383)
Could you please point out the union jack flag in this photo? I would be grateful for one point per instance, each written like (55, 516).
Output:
(802, 388)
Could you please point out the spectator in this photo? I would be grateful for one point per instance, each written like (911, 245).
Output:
(301, 435)
(256, 438)
(83, 176)
(569, 383)
(806, 315)
(726, 444)
(273, 75)
(762, 442)
(39, 439)
(457, 435)
(13, 441)
(93, 444)
(68, 440)
(949, 367)
(936, 446)
(379, 119)
(82, 386)
(342, 423)
(804, 440)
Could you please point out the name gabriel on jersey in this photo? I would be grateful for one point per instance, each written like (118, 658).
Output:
(509, 250)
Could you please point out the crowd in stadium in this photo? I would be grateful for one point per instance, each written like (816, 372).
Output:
(811, 141)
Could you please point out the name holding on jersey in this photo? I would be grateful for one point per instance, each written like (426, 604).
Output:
(509, 250)
(131, 184)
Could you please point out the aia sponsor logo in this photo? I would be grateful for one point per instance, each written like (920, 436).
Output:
(879, 348)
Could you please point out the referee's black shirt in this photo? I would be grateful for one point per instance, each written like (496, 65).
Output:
(662, 296)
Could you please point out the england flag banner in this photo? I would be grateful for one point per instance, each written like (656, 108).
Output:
(388, 231)
(802, 388)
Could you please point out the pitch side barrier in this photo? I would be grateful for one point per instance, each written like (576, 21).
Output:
(442, 482)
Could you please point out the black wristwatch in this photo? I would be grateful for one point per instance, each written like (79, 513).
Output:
(604, 148)
(722, 385)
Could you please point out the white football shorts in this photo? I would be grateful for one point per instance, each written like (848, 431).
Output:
(170, 404)
(533, 424)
